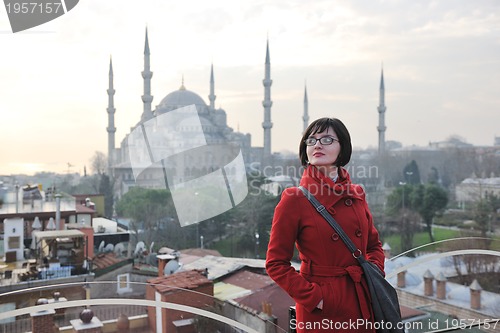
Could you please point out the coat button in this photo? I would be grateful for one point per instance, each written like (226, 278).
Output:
(338, 190)
(358, 233)
(335, 236)
(348, 202)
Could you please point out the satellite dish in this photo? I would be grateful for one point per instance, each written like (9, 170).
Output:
(109, 248)
(119, 249)
(164, 250)
(139, 248)
(152, 260)
(171, 267)
(101, 246)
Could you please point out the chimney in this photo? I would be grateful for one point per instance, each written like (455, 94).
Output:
(475, 295)
(17, 198)
(42, 321)
(402, 279)
(387, 250)
(267, 308)
(169, 261)
(161, 265)
(122, 324)
(428, 287)
(441, 286)
(58, 212)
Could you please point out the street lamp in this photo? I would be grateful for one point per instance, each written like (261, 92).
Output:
(197, 222)
(403, 184)
(409, 173)
(86, 287)
(257, 245)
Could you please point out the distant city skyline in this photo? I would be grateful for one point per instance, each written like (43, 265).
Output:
(440, 62)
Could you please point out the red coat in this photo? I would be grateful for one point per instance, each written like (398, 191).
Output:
(328, 270)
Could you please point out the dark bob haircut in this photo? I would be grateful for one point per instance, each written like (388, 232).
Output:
(321, 125)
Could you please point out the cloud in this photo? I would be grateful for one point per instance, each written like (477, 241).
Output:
(440, 59)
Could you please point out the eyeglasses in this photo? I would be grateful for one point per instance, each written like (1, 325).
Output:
(326, 140)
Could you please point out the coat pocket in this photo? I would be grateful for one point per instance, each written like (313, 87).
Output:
(331, 299)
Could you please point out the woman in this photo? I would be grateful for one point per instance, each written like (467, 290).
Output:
(330, 292)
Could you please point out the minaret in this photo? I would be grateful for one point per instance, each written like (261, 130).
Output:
(305, 118)
(381, 117)
(111, 120)
(267, 103)
(212, 96)
(147, 74)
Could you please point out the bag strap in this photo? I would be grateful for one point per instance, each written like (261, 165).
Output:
(356, 253)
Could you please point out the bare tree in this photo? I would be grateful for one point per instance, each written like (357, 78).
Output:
(475, 266)
(98, 163)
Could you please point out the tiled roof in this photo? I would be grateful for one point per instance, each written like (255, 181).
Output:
(201, 252)
(222, 266)
(248, 280)
(84, 209)
(105, 260)
(226, 291)
(280, 302)
(456, 294)
(408, 313)
(182, 280)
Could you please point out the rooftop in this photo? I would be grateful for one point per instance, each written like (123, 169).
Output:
(191, 280)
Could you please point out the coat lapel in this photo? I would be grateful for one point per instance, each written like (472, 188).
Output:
(326, 190)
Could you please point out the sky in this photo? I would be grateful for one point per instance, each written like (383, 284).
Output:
(441, 63)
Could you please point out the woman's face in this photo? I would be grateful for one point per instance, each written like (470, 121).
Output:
(323, 155)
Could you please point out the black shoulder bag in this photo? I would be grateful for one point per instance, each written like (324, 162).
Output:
(384, 298)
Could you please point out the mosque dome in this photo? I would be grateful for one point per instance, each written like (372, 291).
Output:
(180, 98)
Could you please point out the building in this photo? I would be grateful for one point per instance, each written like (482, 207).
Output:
(475, 189)
(189, 288)
(222, 139)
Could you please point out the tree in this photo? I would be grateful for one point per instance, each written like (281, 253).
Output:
(428, 200)
(482, 214)
(485, 212)
(433, 176)
(400, 203)
(147, 208)
(411, 174)
(106, 188)
(98, 163)
(257, 209)
(468, 267)
(255, 213)
(494, 201)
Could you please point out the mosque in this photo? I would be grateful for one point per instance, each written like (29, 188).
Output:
(213, 122)
(192, 163)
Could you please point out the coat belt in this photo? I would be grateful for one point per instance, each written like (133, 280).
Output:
(355, 273)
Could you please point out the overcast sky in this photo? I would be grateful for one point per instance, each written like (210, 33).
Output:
(441, 62)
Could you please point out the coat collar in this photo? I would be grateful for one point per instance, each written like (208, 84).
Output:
(326, 190)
